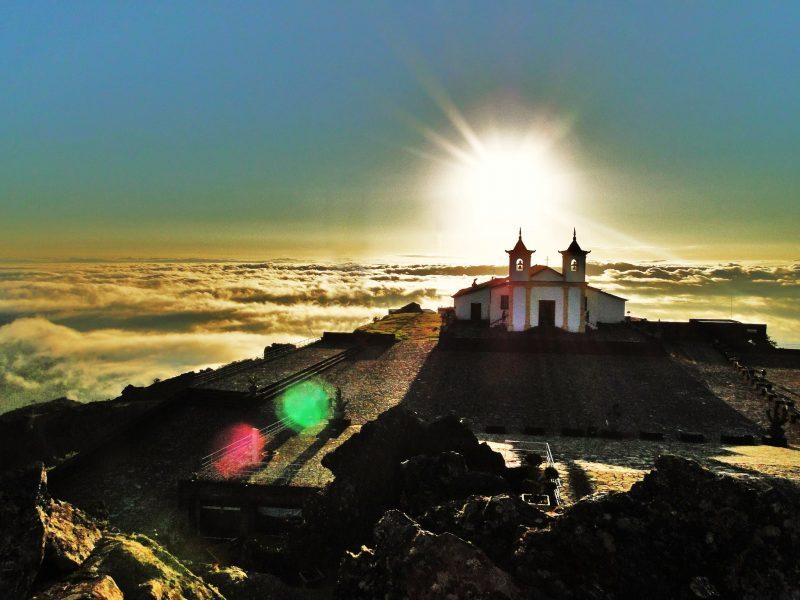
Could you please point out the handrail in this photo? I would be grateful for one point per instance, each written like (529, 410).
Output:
(271, 391)
(549, 461)
(244, 364)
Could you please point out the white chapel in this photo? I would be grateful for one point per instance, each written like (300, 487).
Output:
(539, 296)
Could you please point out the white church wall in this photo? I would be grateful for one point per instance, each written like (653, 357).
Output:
(575, 308)
(495, 312)
(463, 304)
(547, 293)
(604, 308)
(518, 307)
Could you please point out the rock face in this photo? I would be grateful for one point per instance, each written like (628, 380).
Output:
(450, 462)
(43, 541)
(23, 518)
(101, 588)
(143, 569)
(38, 534)
(409, 562)
(493, 523)
(682, 532)
(70, 537)
(431, 480)
(236, 584)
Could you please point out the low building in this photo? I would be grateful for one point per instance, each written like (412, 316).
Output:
(540, 296)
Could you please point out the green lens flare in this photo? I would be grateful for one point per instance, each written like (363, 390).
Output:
(303, 405)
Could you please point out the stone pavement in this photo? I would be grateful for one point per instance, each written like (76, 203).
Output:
(591, 465)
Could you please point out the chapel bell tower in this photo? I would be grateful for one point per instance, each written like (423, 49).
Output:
(573, 261)
(519, 261)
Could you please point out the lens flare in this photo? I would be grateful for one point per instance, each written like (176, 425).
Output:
(303, 405)
(240, 446)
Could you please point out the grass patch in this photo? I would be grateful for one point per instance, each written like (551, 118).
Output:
(407, 326)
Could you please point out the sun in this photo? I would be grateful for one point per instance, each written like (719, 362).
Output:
(503, 180)
(517, 173)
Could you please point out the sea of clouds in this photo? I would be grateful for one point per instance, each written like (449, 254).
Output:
(84, 330)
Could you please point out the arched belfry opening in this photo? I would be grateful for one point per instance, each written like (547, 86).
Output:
(573, 261)
(519, 260)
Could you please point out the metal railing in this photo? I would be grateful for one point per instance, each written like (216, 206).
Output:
(248, 363)
(271, 391)
(207, 463)
(521, 447)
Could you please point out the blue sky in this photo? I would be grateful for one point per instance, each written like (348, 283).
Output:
(255, 130)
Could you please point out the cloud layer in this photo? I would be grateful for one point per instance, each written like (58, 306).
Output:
(85, 330)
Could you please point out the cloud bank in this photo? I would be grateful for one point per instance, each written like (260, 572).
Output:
(85, 329)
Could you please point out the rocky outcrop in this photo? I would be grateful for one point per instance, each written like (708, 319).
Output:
(682, 532)
(409, 562)
(450, 462)
(431, 480)
(70, 537)
(142, 569)
(493, 523)
(99, 588)
(236, 584)
(23, 522)
(50, 549)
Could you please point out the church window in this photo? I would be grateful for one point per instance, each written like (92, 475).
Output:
(573, 266)
(520, 264)
(503, 302)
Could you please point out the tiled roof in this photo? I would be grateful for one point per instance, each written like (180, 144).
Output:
(591, 287)
(481, 286)
(536, 269)
(574, 247)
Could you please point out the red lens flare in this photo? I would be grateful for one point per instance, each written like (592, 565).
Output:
(240, 446)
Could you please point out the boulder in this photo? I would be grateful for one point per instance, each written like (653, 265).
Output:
(430, 480)
(493, 523)
(23, 521)
(98, 588)
(236, 584)
(369, 477)
(39, 537)
(143, 569)
(70, 537)
(409, 562)
(682, 532)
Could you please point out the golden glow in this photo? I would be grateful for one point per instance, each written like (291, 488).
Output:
(502, 181)
(510, 175)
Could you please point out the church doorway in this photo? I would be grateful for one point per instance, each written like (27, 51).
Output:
(547, 313)
(475, 311)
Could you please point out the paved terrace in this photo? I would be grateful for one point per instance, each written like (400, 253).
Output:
(135, 479)
(552, 392)
(374, 380)
(591, 465)
(270, 370)
(708, 366)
